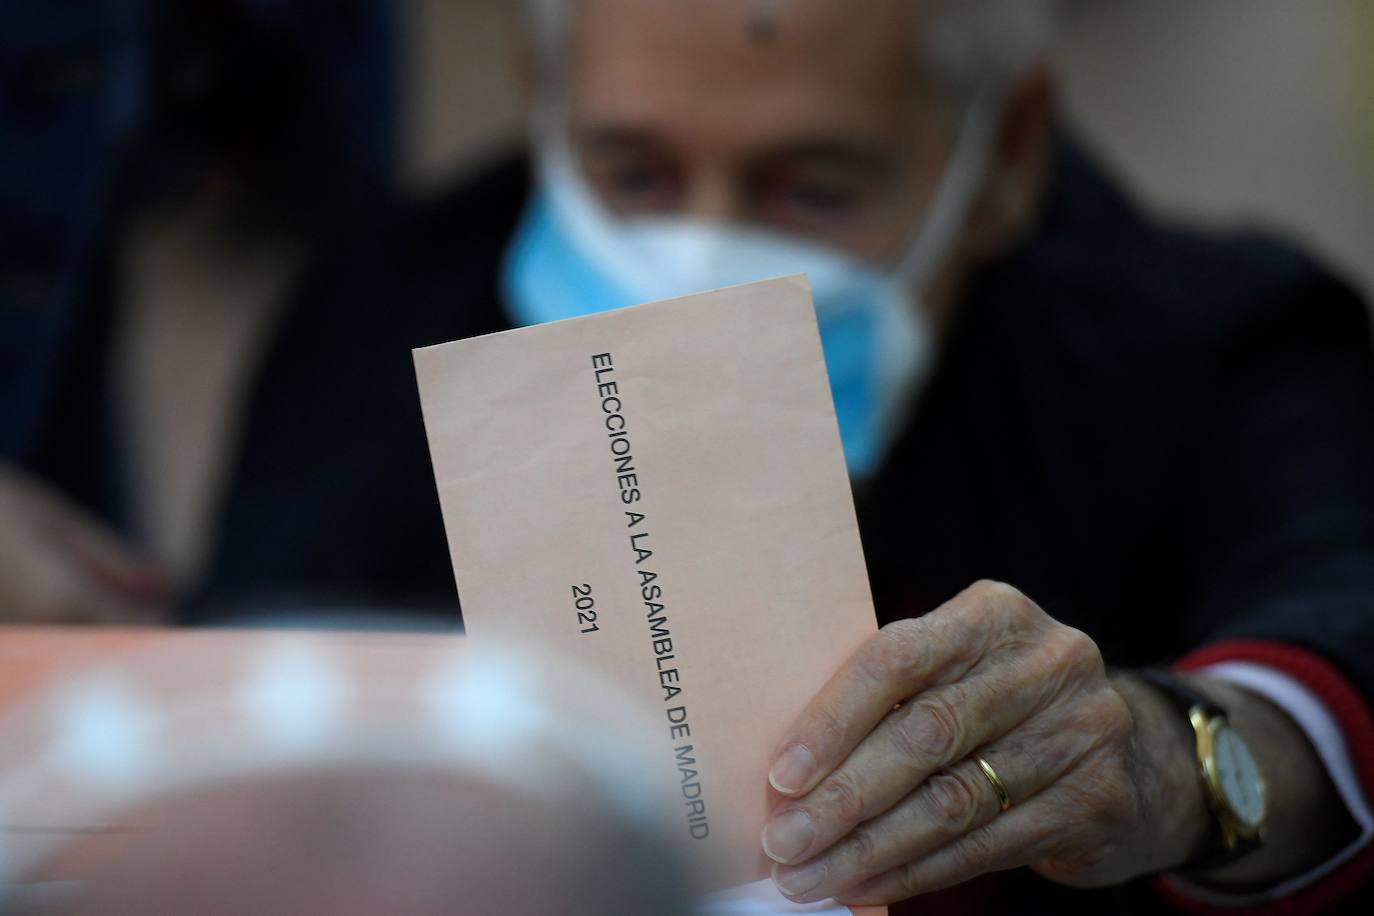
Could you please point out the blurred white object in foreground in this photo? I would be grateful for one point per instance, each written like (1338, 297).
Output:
(301, 773)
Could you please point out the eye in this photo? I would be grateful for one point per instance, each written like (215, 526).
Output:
(823, 199)
(807, 202)
(635, 183)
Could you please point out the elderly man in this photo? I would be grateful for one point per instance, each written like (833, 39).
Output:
(1163, 440)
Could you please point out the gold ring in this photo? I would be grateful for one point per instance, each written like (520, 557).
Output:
(998, 786)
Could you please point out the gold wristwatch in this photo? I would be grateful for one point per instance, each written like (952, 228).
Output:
(1231, 779)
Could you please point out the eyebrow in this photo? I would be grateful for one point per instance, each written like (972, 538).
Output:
(830, 152)
(613, 136)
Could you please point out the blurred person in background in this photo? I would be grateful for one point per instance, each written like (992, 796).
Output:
(171, 176)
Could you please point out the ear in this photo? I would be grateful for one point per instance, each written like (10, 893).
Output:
(1018, 169)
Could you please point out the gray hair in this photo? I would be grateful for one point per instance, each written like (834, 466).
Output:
(974, 46)
(968, 46)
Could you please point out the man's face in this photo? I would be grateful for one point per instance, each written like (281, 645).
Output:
(802, 116)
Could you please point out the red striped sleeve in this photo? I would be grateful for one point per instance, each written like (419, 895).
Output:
(1353, 714)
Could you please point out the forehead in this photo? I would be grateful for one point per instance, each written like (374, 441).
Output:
(728, 68)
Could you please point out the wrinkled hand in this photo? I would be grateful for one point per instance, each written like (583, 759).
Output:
(58, 565)
(886, 803)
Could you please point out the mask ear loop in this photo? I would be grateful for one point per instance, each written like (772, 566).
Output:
(935, 234)
(956, 193)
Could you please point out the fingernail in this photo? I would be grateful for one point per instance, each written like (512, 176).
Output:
(797, 881)
(788, 835)
(792, 770)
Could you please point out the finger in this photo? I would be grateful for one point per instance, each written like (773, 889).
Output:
(1025, 834)
(1059, 819)
(931, 732)
(67, 594)
(947, 806)
(42, 583)
(901, 660)
(100, 551)
(49, 590)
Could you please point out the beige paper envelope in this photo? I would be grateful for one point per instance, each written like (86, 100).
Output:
(660, 492)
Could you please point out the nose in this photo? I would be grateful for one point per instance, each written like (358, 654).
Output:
(714, 195)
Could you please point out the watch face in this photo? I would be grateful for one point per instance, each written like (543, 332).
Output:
(1239, 777)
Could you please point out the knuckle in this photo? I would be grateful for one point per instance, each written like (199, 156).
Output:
(1000, 594)
(951, 801)
(1110, 715)
(823, 728)
(843, 798)
(984, 599)
(903, 629)
(977, 852)
(1005, 606)
(1080, 644)
(989, 588)
(904, 742)
(861, 853)
(896, 651)
(909, 881)
(935, 728)
(1077, 651)
(1030, 615)
(826, 729)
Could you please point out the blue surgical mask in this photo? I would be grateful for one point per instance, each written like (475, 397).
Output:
(570, 257)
